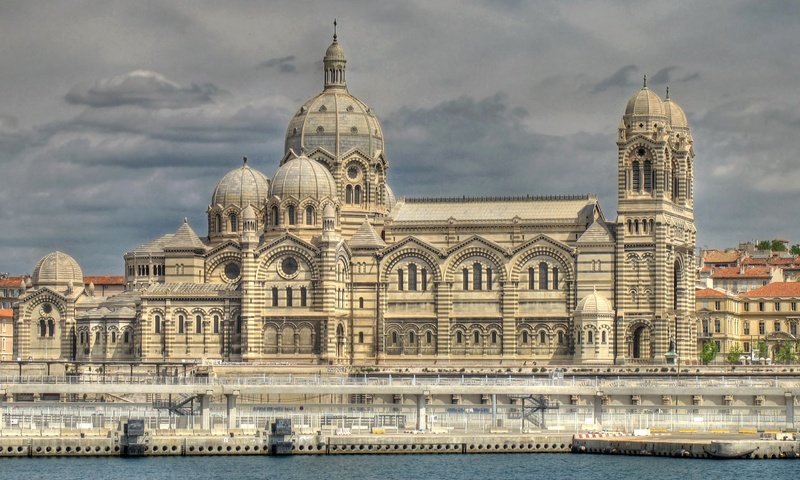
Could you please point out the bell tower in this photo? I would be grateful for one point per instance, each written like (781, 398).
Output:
(656, 235)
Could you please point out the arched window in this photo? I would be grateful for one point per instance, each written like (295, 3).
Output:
(216, 324)
(477, 276)
(394, 338)
(476, 337)
(488, 278)
(637, 176)
(674, 181)
(97, 336)
(198, 327)
(424, 280)
(310, 215)
(542, 337)
(648, 176)
(561, 338)
(234, 222)
(459, 337)
(465, 279)
(411, 338)
(494, 337)
(157, 322)
(525, 336)
(291, 213)
(412, 277)
(275, 217)
(238, 324)
(348, 194)
(429, 337)
(113, 337)
(590, 337)
(51, 327)
(126, 337)
(289, 298)
(400, 279)
(603, 336)
(42, 328)
(303, 297)
(181, 324)
(218, 223)
(357, 195)
(360, 302)
(555, 278)
(360, 337)
(531, 279)
(543, 276)
(274, 296)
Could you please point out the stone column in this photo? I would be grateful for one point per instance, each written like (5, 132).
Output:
(230, 399)
(422, 417)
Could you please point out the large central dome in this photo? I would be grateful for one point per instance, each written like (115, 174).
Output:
(335, 120)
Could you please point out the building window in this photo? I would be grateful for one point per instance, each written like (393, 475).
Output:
(531, 279)
(717, 325)
(761, 328)
(357, 195)
(274, 296)
(291, 213)
(718, 345)
(348, 194)
(793, 329)
(275, 217)
(126, 337)
(400, 280)
(476, 337)
(494, 337)
(181, 324)
(42, 328)
(424, 280)
(542, 276)
(603, 336)
(360, 302)
(310, 215)
(648, 176)
(717, 305)
(465, 279)
(360, 337)
(542, 337)
(746, 328)
(777, 326)
(157, 322)
(525, 336)
(113, 337)
(234, 222)
(411, 338)
(459, 337)
(746, 347)
(637, 176)
(218, 223)
(289, 298)
(429, 337)
(794, 306)
(198, 327)
(747, 306)
(238, 324)
(477, 276)
(591, 336)
(561, 338)
(394, 338)
(304, 297)
(777, 306)
(555, 278)
(488, 278)
(216, 324)
(412, 277)
(760, 306)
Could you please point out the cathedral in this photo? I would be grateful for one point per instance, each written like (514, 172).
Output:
(321, 264)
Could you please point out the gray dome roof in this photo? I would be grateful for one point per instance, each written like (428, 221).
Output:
(302, 177)
(645, 102)
(57, 269)
(390, 200)
(593, 303)
(675, 114)
(241, 187)
(336, 121)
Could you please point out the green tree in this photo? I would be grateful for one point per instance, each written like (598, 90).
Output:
(785, 353)
(764, 245)
(734, 353)
(761, 348)
(777, 246)
(795, 250)
(709, 352)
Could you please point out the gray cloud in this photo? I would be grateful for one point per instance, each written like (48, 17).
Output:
(142, 88)
(283, 64)
(621, 78)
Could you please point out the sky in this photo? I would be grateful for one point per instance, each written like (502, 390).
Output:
(118, 117)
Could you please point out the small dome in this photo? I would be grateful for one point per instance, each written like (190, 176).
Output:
(389, 199)
(57, 269)
(675, 114)
(301, 177)
(335, 52)
(249, 213)
(241, 186)
(593, 303)
(328, 211)
(646, 103)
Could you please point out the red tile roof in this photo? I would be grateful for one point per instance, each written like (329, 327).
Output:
(104, 279)
(11, 282)
(749, 272)
(716, 256)
(6, 313)
(776, 289)
(708, 293)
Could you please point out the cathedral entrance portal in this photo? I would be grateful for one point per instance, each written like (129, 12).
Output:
(640, 344)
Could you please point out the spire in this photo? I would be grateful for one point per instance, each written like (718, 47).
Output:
(645, 81)
(334, 62)
(244, 161)
(667, 97)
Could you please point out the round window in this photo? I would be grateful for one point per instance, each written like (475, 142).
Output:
(353, 171)
(232, 270)
(640, 152)
(47, 308)
(289, 265)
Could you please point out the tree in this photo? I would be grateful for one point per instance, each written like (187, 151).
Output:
(709, 352)
(764, 245)
(795, 250)
(785, 353)
(777, 246)
(734, 353)
(761, 348)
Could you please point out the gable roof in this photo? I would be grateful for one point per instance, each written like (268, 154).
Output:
(775, 289)
(185, 238)
(736, 272)
(366, 237)
(596, 233)
(709, 293)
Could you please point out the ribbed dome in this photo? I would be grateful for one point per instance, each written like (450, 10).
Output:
(301, 177)
(249, 213)
(593, 303)
(390, 200)
(241, 186)
(335, 52)
(57, 269)
(336, 121)
(645, 102)
(675, 114)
